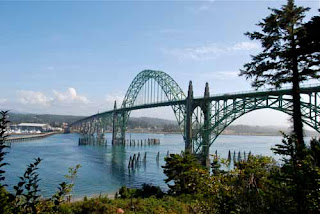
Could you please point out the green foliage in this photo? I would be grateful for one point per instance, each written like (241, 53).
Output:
(186, 173)
(68, 187)
(5, 201)
(146, 191)
(216, 166)
(103, 205)
(58, 198)
(3, 126)
(5, 197)
(124, 192)
(299, 177)
(315, 151)
(309, 43)
(27, 190)
(240, 190)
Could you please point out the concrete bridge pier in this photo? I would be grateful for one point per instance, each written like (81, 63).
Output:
(123, 127)
(118, 126)
(188, 126)
(205, 107)
(206, 126)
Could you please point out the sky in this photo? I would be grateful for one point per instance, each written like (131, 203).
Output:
(77, 57)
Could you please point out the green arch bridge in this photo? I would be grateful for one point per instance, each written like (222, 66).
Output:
(201, 119)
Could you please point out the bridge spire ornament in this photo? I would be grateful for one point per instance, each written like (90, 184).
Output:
(206, 91)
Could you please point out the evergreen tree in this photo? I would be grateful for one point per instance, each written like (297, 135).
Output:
(309, 47)
(283, 59)
(299, 179)
(186, 173)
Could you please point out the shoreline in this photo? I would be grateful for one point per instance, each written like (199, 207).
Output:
(29, 137)
(95, 195)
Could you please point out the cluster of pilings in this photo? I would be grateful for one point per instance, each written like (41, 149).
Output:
(92, 140)
(135, 160)
(145, 142)
(235, 157)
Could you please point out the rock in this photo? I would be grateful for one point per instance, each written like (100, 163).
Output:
(119, 210)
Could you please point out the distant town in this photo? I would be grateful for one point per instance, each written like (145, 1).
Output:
(34, 128)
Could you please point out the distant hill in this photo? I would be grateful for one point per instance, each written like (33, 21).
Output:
(145, 124)
(261, 130)
(55, 120)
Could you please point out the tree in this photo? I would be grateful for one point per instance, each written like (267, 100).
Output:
(4, 195)
(283, 60)
(3, 127)
(298, 180)
(187, 174)
(309, 46)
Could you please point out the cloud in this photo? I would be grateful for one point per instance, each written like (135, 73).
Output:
(225, 75)
(69, 96)
(210, 51)
(204, 6)
(195, 53)
(59, 98)
(215, 75)
(245, 46)
(33, 98)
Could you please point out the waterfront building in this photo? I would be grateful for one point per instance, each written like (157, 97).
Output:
(30, 128)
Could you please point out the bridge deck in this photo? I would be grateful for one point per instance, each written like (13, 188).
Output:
(253, 93)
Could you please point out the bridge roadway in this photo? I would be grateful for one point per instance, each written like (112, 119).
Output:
(306, 89)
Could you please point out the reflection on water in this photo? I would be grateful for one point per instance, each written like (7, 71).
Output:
(105, 168)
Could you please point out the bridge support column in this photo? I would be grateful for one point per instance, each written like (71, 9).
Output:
(100, 132)
(114, 124)
(123, 127)
(188, 122)
(206, 132)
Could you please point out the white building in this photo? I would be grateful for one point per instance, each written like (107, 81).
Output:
(31, 128)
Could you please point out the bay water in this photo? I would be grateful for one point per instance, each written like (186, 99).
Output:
(105, 168)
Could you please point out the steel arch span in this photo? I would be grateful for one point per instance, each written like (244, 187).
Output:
(167, 84)
(161, 81)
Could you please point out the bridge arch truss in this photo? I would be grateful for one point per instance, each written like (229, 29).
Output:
(226, 109)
